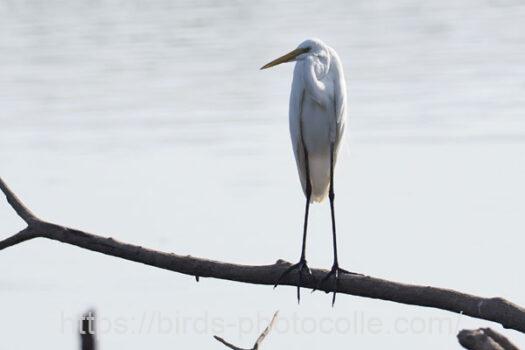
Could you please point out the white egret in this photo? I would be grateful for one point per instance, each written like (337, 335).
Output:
(317, 117)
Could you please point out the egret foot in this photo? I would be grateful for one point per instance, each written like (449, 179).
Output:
(302, 267)
(335, 272)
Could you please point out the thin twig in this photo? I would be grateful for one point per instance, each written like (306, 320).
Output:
(259, 339)
(231, 346)
(499, 310)
(266, 331)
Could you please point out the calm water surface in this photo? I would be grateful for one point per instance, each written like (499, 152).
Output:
(151, 122)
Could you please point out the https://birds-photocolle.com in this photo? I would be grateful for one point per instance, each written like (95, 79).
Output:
(317, 116)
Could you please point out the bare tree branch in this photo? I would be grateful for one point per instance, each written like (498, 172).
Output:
(484, 339)
(499, 310)
(259, 339)
(266, 331)
(231, 346)
(22, 236)
(500, 339)
(17, 204)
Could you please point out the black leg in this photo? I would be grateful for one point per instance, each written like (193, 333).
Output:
(331, 196)
(306, 209)
(336, 271)
(302, 266)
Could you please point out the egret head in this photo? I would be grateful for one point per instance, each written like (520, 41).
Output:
(310, 48)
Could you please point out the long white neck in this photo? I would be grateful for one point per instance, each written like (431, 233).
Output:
(319, 73)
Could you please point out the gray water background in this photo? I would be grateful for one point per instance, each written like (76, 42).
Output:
(150, 122)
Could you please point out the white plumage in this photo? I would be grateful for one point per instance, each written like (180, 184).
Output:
(317, 113)
(317, 123)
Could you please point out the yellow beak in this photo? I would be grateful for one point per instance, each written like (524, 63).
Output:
(290, 56)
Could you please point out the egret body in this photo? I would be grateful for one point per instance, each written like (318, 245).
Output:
(317, 115)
